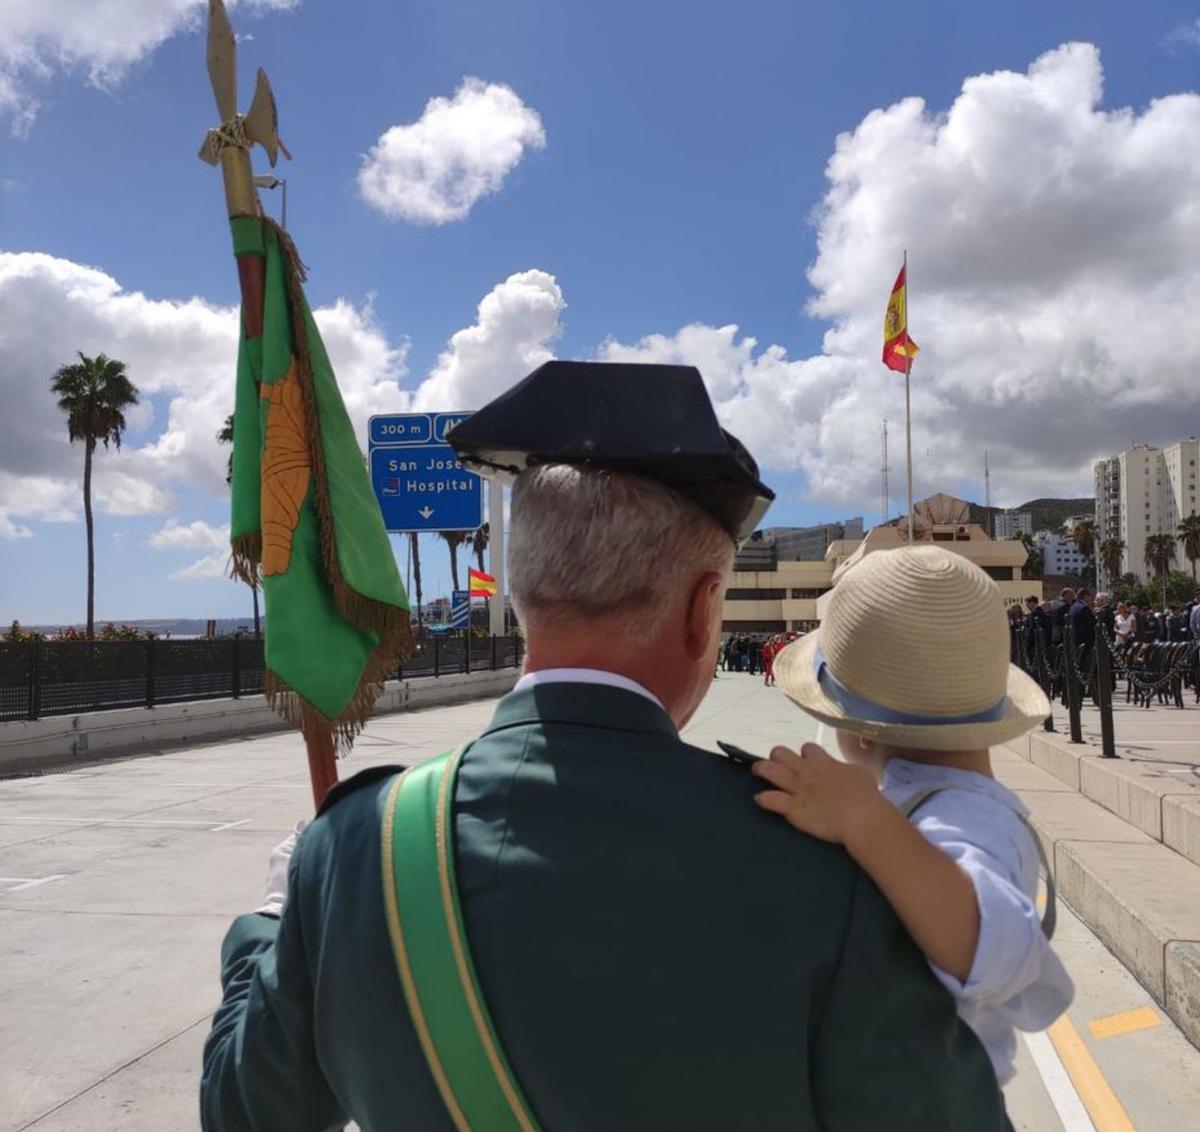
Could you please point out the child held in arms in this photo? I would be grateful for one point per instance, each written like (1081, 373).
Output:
(910, 667)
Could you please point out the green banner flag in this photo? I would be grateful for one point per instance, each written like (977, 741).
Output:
(305, 519)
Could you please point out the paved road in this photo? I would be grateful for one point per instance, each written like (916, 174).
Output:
(118, 881)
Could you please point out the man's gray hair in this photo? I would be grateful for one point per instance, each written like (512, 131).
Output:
(590, 544)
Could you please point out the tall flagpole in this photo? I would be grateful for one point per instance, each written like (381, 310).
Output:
(908, 402)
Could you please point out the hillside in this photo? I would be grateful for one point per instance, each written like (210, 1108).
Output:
(1048, 514)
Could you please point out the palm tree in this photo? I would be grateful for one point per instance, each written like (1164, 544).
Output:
(1112, 550)
(94, 393)
(453, 540)
(479, 543)
(1159, 553)
(416, 561)
(1158, 556)
(1188, 533)
(1084, 533)
(1035, 563)
(225, 436)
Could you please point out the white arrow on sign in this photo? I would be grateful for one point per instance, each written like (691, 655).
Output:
(425, 512)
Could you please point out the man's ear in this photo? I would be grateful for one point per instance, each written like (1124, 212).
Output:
(703, 610)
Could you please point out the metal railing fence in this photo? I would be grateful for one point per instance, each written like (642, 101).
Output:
(1072, 671)
(43, 678)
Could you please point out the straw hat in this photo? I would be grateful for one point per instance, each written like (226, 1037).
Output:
(913, 652)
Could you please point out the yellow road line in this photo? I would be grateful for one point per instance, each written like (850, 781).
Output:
(1098, 1098)
(1113, 1025)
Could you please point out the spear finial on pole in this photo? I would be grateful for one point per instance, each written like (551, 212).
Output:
(228, 144)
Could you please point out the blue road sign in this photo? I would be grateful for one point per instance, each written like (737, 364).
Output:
(460, 609)
(418, 480)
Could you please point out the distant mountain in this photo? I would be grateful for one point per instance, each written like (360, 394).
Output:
(1048, 514)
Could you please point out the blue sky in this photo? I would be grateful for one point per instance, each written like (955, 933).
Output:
(680, 185)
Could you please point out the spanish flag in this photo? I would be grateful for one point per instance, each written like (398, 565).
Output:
(481, 584)
(898, 348)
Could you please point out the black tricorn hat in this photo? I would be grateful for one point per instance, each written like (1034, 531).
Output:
(648, 420)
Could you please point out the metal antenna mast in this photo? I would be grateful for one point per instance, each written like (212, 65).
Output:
(987, 496)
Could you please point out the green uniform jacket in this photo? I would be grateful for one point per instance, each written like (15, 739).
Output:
(657, 954)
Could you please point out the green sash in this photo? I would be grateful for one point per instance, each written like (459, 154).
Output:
(426, 927)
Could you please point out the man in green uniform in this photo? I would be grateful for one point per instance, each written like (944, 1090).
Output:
(653, 952)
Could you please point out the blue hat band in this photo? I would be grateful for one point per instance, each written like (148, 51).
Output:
(859, 707)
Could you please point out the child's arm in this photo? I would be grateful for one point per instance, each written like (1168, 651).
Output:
(834, 801)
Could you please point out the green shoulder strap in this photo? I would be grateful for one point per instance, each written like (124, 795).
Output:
(425, 923)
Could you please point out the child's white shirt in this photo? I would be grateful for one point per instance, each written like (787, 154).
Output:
(1016, 981)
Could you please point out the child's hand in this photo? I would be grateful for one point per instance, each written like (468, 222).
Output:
(817, 794)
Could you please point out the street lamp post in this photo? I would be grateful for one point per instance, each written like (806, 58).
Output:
(267, 181)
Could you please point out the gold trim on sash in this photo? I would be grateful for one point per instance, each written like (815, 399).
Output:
(416, 1013)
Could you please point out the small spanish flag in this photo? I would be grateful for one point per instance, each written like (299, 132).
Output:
(481, 584)
(898, 348)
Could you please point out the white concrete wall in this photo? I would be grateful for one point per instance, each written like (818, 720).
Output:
(60, 741)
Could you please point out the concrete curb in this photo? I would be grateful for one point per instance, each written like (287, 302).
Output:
(62, 742)
(1132, 888)
(1142, 793)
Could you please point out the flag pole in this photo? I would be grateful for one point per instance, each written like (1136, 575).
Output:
(224, 145)
(908, 403)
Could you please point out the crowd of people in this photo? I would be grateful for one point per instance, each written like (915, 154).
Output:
(754, 655)
(1044, 622)
(1040, 635)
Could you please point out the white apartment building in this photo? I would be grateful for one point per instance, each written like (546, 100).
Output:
(1060, 553)
(1009, 524)
(1145, 491)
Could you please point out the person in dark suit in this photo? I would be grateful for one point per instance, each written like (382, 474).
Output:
(1147, 630)
(1082, 620)
(1058, 617)
(654, 951)
(1177, 625)
(1106, 615)
(1033, 629)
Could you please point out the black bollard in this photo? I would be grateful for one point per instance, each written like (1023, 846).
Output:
(1103, 678)
(1043, 677)
(1071, 680)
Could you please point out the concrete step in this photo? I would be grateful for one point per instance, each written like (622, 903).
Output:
(1138, 894)
(1153, 784)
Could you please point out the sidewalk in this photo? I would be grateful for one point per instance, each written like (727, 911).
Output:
(1123, 835)
(119, 880)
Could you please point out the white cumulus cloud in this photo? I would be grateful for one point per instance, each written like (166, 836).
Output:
(182, 352)
(435, 169)
(101, 39)
(10, 529)
(1184, 36)
(1053, 288)
(197, 535)
(210, 567)
(516, 322)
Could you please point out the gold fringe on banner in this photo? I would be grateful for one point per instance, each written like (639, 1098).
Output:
(389, 623)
